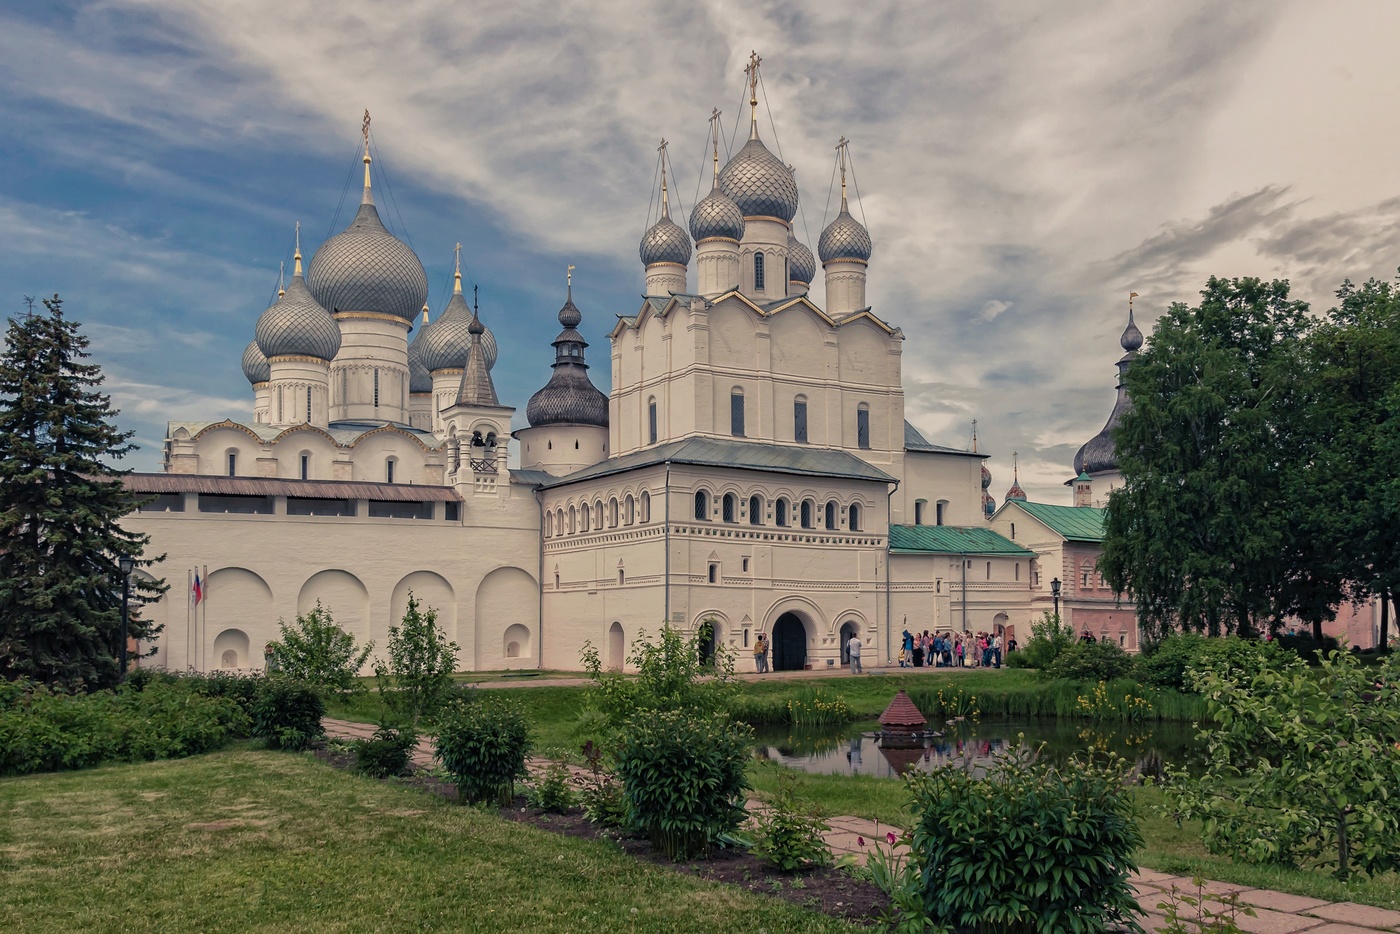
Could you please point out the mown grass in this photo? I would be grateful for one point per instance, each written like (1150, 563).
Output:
(262, 841)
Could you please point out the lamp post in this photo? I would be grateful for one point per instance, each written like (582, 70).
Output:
(1055, 592)
(126, 564)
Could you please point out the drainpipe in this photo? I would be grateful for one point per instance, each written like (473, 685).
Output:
(964, 593)
(539, 654)
(889, 516)
(666, 538)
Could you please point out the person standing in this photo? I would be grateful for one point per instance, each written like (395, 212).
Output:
(996, 651)
(760, 653)
(853, 649)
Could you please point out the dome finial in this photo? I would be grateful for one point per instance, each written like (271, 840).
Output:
(665, 199)
(752, 71)
(1131, 340)
(296, 256)
(364, 129)
(714, 130)
(425, 314)
(281, 279)
(841, 145)
(457, 269)
(569, 282)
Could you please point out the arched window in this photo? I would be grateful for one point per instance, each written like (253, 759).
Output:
(583, 520)
(799, 419)
(612, 513)
(559, 519)
(573, 520)
(629, 510)
(651, 419)
(646, 506)
(863, 426)
(233, 463)
(919, 506)
(807, 510)
(854, 519)
(729, 507)
(755, 510)
(941, 512)
(306, 466)
(702, 505)
(389, 470)
(1086, 577)
(736, 412)
(780, 512)
(831, 514)
(758, 271)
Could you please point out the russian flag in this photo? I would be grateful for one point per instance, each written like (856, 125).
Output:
(197, 592)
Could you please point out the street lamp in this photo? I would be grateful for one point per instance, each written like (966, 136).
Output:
(1055, 592)
(126, 564)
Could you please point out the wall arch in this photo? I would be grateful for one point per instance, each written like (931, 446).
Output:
(344, 595)
(231, 650)
(240, 600)
(430, 590)
(515, 643)
(507, 597)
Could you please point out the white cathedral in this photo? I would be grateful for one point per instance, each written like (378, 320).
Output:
(751, 471)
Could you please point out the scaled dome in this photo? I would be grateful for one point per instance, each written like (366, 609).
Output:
(419, 379)
(759, 183)
(297, 325)
(665, 242)
(716, 216)
(802, 267)
(366, 268)
(844, 238)
(255, 365)
(448, 340)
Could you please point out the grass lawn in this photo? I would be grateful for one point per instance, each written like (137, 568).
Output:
(255, 840)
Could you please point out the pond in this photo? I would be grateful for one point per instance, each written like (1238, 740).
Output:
(854, 749)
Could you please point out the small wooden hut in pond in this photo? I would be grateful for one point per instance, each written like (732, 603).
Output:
(901, 725)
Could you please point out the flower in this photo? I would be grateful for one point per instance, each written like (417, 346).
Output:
(860, 841)
(891, 838)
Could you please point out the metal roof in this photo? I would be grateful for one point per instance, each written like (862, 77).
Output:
(530, 477)
(345, 433)
(952, 540)
(739, 455)
(914, 441)
(274, 486)
(1072, 523)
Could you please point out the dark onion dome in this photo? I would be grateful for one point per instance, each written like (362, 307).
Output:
(759, 183)
(255, 365)
(801, 265)
(989, 505)
(366, 268)
(419, 379)
(665, 242)
(1015, 493)
(1099, 454)
(716, 216)
(986, 476)
(297, 325)
(449, 339)
(569, 398)
(844, 238)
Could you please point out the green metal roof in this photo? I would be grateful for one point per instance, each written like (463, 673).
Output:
(952, 540)
(1072, 523)
(738, 455)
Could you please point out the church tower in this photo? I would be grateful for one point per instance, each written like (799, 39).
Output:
(717, 225)
(1098, 458)
(845, 250)
(665, 248)
(446, 346)
(299, 338)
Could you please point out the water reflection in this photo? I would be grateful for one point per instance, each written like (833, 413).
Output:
(855, 749)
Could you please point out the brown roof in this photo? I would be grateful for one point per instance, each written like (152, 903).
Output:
(273, 486)
(902, 713)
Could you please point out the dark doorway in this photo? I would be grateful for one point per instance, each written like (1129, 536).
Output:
(789, 643)
(706, 637)
(848, 629)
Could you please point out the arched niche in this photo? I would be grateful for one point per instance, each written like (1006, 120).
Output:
(430, 590)
(507, 601)
(239, 600)
(343, 595)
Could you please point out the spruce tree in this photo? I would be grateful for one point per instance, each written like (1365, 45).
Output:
(61, 502)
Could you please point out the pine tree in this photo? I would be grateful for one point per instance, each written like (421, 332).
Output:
(60, 506)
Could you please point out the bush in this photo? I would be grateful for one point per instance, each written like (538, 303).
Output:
(416, 680)
(601, 797)
(1030, 847)
(1300, 764)
(315, 650)
(483, 746)
(788, 836)
(386, 753)
(1048, 639)
(288, 714)
(1308, 648)
(552, 791)
(1091, 661)
(1171, 662)
(669, 677)
(684, 776)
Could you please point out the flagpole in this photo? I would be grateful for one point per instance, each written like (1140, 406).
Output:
(189, 615)
(204, 626)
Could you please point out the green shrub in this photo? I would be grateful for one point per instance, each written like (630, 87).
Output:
(288, 714)
(315, 650)
(1030, 847)
(416, 679)
(483, 746)
(1169, 663)
(553, 791)
(672, 674)
(1308, 648)
(601, 796)
(683, 773)
(1048, 639)
(1091, 661)
(788, 836)
(387, 753)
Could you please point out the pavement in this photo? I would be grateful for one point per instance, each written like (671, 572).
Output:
(1274, 912)
(743, 672)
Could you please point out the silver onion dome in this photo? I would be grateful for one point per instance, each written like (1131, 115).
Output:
(844, 238)
(419, 379)
(448, 340)
(716, 216)
(665, 242)
(366, 268)
(802, 267)
(759, 183)
(569, 398)
(297, 324)
(255, 365)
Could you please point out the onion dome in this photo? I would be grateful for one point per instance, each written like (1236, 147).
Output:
(419, 379)
(1015, 493)
(986, 476)
(665, 241)
(989, 505)
(716, 216)
(844, 238)
(366, 268)
(569, 398)
(801, 265)
(296, 324)
(449, 339)
(255, 365)
(1099, 454)
(758, 182)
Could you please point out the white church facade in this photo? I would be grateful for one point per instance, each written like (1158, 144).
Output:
(751, 470)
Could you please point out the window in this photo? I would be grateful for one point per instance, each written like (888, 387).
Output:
(389, 470)
(702, 506)
(376, 387)
(780, 512)
(714, 573)
(989, 570)
(621, 576)
(583, 517)
(758, 272)
(651, 420)
(612, 513)
(1013, 531)
(863, 426)
(308, 404)
(799, 419)
(1018, 570)
(598, 514)
(746, 638)
(831, 514)
(452, 512)
(755, 510)
(919, 506)
(807, 510)
(854, 523)
(1086, 577)
(306, 466)
(573, 520)
(646, 506)
(232, 464)
(744, 566)
(736, 413)
(629, 510)
(941, 512)
(729, 506)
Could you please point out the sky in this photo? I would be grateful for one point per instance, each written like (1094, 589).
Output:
(1021, 166)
